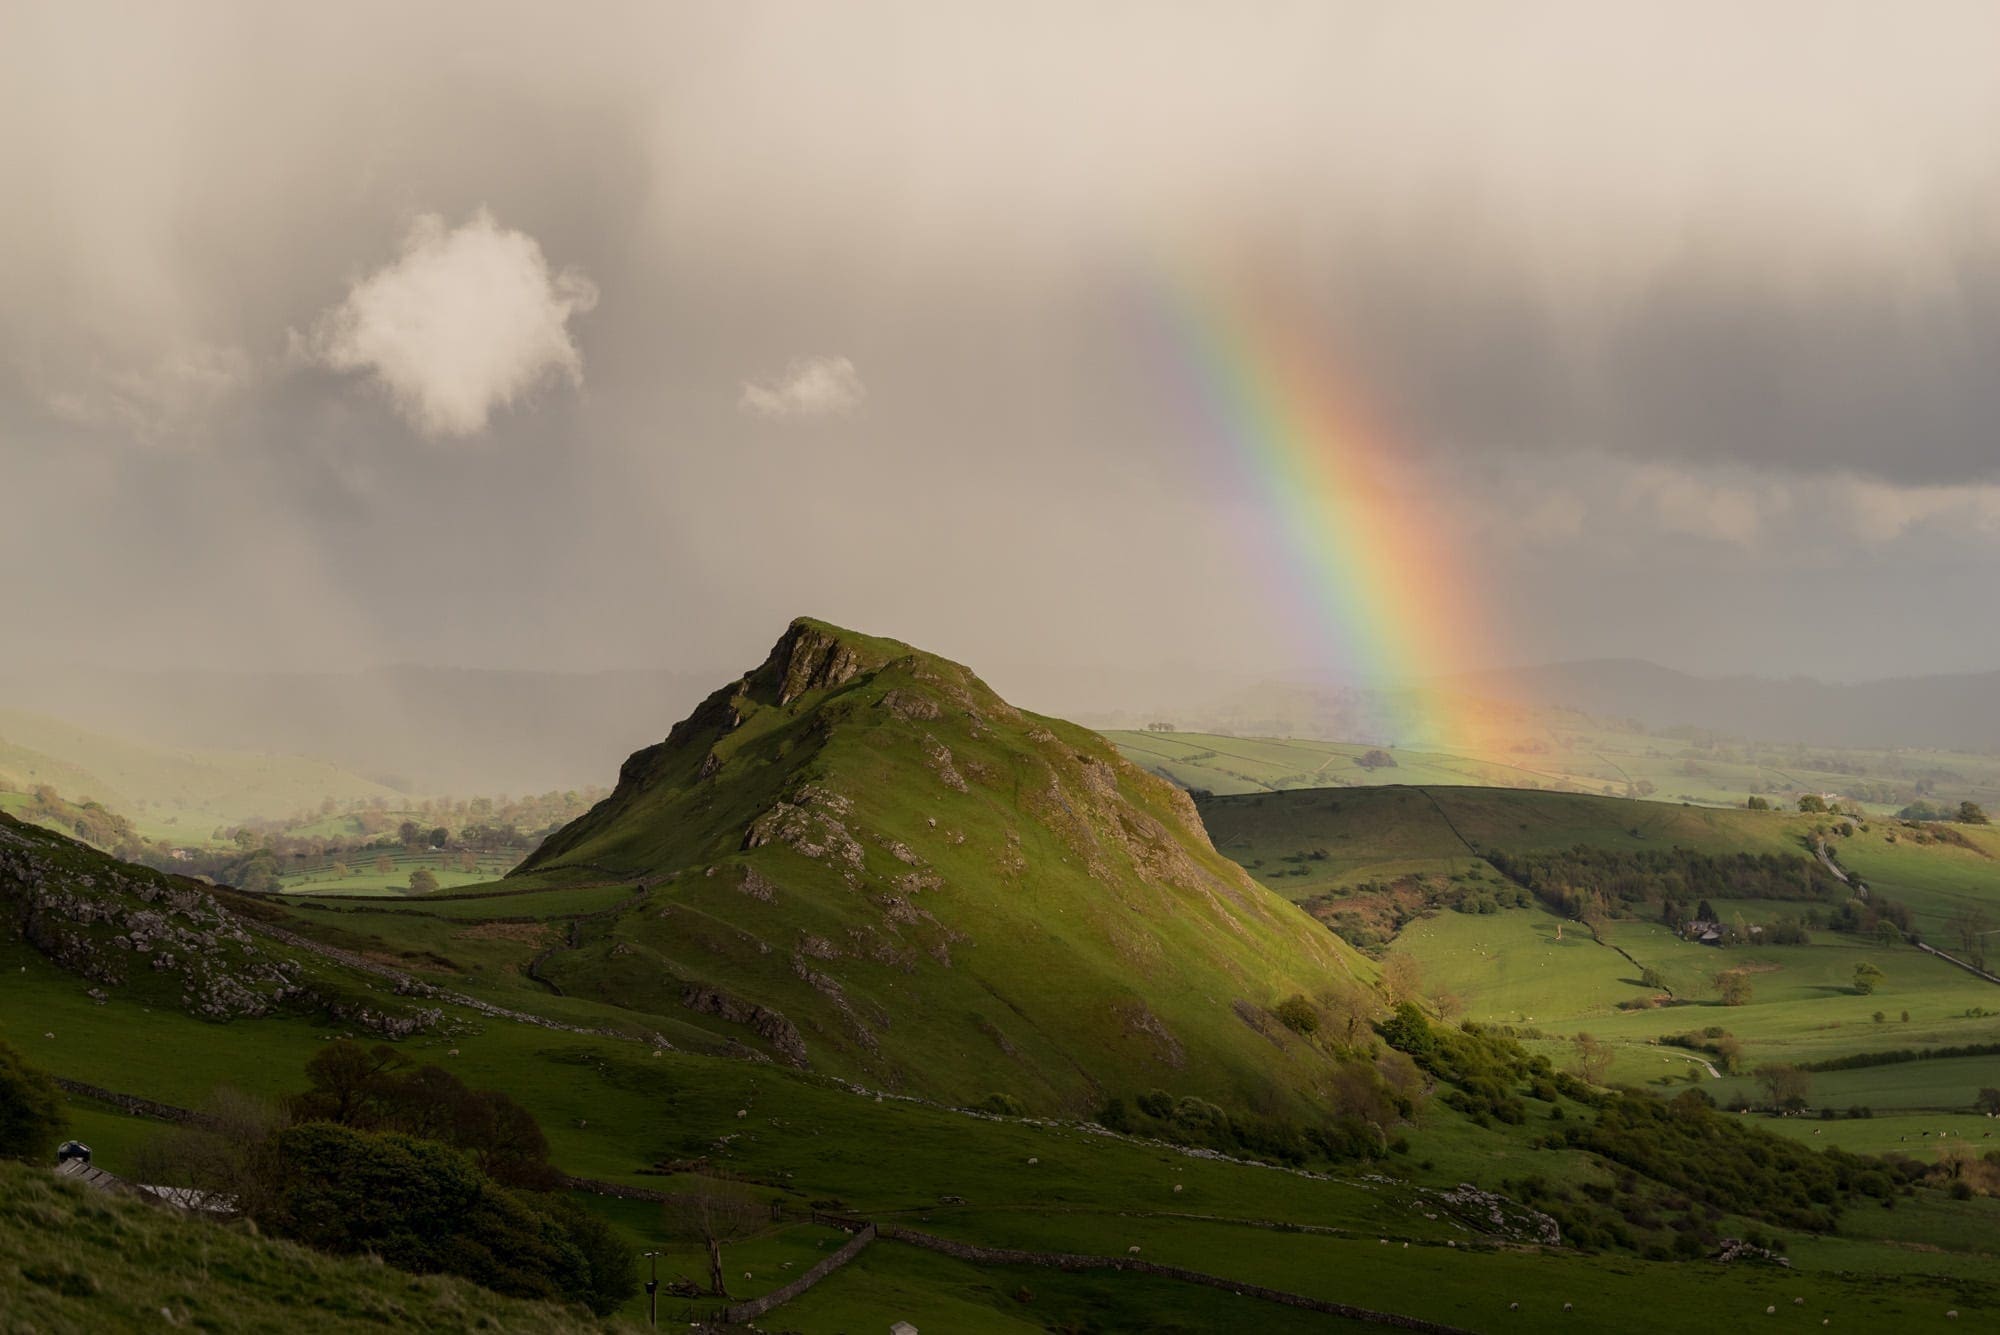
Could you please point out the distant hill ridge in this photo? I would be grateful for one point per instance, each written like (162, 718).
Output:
(1950, 712)
(881, 869)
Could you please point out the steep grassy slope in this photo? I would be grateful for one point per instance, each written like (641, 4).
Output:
(75, 1262)
(881, 869)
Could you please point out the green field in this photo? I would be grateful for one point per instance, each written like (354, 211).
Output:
(363, 876)
(610, 1111)
(1538, 972)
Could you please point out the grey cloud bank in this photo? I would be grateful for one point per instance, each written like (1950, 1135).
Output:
(1688, 313)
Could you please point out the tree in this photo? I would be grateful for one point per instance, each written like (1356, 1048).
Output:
(422, 881)
(1593, 1058)
(1346, 1008)
(32, 1120)
(384, 864)
(1867, 978)
(1705, 912)
(1786, 1085)
(1969, 926)
(409, 832)
(376, 1089)
(1402, 978)
(1757, 803)
(1812, 802)
(1971, 813)
(227, 1152)
(712, 1212)
(1298, 1014)
(1376, 758)
(1988, 1102)
(1653, 978)
(1734, 986)
(439, 837)
(341, 870)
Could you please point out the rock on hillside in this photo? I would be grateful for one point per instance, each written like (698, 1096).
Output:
(866, 862)
(129, 929)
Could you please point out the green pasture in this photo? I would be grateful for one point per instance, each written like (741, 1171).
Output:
(363, 877)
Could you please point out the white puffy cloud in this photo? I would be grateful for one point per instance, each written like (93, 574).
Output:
(467, 320)
(815, 386)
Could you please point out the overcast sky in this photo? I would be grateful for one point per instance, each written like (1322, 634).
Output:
(586, 335)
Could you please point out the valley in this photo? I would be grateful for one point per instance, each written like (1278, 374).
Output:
(862, 940)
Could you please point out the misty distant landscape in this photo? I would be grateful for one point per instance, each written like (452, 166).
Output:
(999, 669)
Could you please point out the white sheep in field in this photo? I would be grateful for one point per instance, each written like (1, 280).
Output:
(1566, 1307)
(1131, 1251)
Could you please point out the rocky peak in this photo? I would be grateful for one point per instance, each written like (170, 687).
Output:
(812, 656)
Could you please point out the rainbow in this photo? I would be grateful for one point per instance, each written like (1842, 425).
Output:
(1366, 549)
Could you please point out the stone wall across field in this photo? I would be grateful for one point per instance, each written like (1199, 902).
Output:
(756, 1307)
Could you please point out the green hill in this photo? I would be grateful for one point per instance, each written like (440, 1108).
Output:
(887, 872)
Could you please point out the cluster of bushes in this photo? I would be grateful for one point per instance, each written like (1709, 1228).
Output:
(1885, 919)
(1367, 1099)
(382, 1157)
(1966, 813)
(1715, 1041)
(1567, 880)
(1897, 1056)
(1368, 915)
(1718, 1163)
(1485, 1067)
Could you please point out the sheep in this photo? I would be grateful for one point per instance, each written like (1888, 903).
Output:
(1131, 1251)
(1177, 1188)
(1772, 1310)
(742, 1112)
(1033, 1160)
(1566, 1307)
(452, 1052)
(1513, 1307)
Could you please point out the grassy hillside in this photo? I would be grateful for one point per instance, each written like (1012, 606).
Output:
(75, 1261)
(928, 889)
(1414, 870)
(648, 1110)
